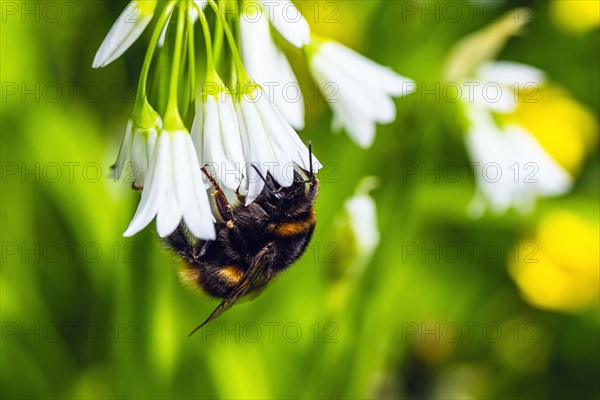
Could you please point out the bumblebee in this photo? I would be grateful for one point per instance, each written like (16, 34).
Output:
(254, 243)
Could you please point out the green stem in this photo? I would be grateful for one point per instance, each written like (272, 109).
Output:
(172, 116)
(191, 53)
(218, 43)
(141, 98)
(241, 71)
(211, 70)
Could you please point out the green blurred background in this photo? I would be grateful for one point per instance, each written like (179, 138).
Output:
(87, 313)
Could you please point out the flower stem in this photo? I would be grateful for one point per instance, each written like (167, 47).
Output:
(241, 71)
(141, 98)
(218, 40)
(211, 70)
(172, 116)
(191, 52)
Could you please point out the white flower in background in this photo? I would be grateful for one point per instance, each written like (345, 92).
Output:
(269, 143)
(357, 234)
(287, 19)
(136, 149)
(512, 168)
(125, 31)
(359, 90)
(174, 190)
(495, 85)
(269, 67)
(216, 135)
(362, 212)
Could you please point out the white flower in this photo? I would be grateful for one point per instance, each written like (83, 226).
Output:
(125, 31)
(216, 135)
(494, 85)
(174, 190)
(512, 168)
(288, 21)
(362, 212)
(269, 143)
(137, 147)
(269, 67)
(359, 90)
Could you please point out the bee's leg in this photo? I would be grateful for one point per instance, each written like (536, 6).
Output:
(241, 198)
(221, 201)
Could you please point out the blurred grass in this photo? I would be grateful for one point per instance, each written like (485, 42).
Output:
(123, 317)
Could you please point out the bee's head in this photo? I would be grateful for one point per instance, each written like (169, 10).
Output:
(302, 191)
(275, 195)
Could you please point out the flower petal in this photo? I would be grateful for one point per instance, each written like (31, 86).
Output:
(269, 67)
(282, 165)
(351, 108)
(124, 32)
(210, 131)
(509, 73)
(197, 128)
(197, 214)
(382, 77)
(155, 190)
(232, 143)
(182, 166)
(257, 147)
(141, 152)
(546, 177)
(288, 21)
(492, 160)
(169, 215)
(289, 141)
(124, 152)
(288, 96)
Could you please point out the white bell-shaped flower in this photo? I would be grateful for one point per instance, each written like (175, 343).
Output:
(174, 190)
(359, 90)
(269, 67)
(269, 143)
(216, 134)
(125, 31)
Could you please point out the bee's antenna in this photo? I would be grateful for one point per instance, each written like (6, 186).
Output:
(263, 178)
(311, 174)
(310, 160)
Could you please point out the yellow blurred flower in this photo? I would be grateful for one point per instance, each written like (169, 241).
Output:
(562, 271)
(576, 16)
(566, 129)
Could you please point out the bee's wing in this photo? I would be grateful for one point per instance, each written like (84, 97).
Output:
(253, 277)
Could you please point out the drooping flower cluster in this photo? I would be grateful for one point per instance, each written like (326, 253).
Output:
(245, 108)
(512, 167)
